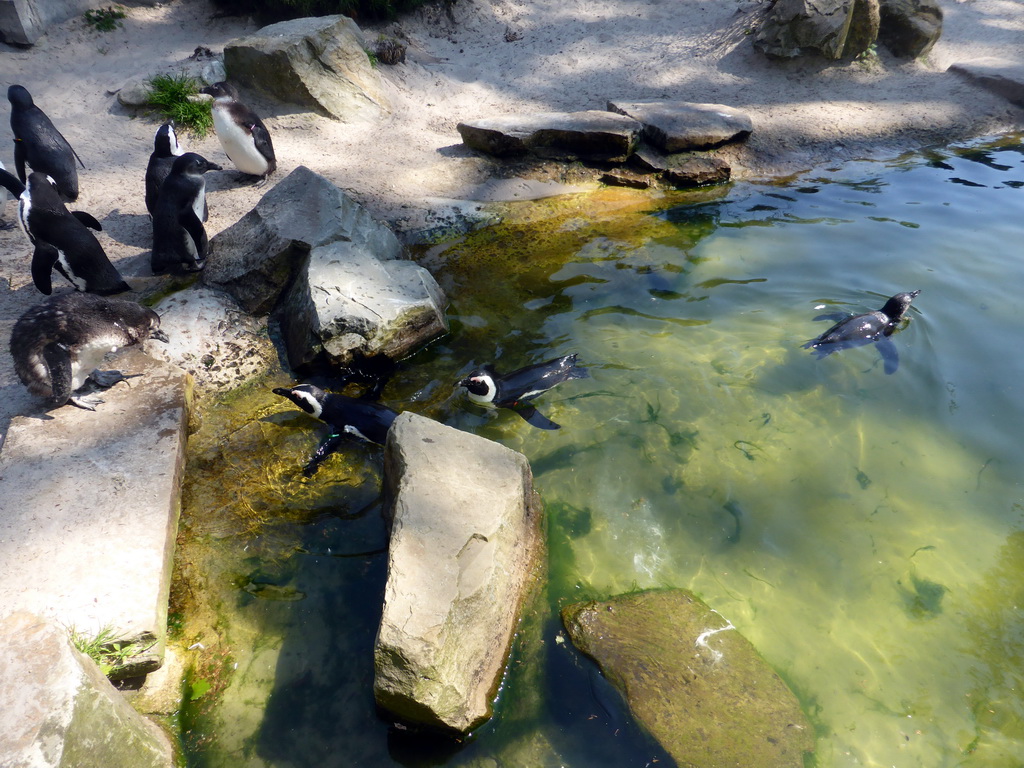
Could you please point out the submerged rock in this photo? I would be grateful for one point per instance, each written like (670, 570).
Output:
(314, 62)
(465, 545)
(589, 135)
(695, 683)
(679, 126)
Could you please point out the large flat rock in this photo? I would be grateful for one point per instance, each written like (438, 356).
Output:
(678, 126)
(465, 547)
(1000, 76)
(89, 505)
(588, 135)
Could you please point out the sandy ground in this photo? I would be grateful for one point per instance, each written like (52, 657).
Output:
(476, 58)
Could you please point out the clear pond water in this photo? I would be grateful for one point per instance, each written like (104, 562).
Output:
(865, 531)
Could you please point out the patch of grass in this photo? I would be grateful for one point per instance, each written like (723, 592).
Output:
(169, 95)
(104, 19)
(106, 649)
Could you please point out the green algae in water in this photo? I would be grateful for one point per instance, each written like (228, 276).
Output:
(861, 530)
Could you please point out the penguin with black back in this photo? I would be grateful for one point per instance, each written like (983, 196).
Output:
(179, 238)
(485, 386)
(57, 344)
(166, 150)
(347, 416)
(61, 239)
(38, 144)
(871, 327)
(244, 137)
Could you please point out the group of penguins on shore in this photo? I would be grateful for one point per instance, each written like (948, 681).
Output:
(57, 345)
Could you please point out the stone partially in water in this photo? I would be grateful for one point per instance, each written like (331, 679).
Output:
(697, 685)
(678, 126)
(588, 135)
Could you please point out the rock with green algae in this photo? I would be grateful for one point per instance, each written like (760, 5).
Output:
(697, 685)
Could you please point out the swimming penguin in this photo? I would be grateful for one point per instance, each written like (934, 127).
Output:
(39, 144)
(179, 238)
(364, 419)
(56, 345)
(485, 386)
(62, 239)
(165, 150)
(244, 137)
(858, 330)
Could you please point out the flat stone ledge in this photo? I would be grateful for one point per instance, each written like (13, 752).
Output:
(89, 505)
(588, 135)
(1002, 77)
(679, 126)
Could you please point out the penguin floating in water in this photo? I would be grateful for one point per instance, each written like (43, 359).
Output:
(179, 238)
(244, 137)
(56, 345)
(62, 239)
(364, 419)
(166, 150)
(40, 145)
(858, 330)
(485, 386)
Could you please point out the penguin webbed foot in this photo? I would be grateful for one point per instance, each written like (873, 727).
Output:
(107, 379)
(330, 445)
(86, 402)
(535, 418)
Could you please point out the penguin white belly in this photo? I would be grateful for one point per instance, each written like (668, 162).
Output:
(88, 358)
(238, 144)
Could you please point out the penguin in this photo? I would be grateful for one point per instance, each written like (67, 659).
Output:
(244, 137)
(57, 344)
(5, 195)
(485, 386)
(364, 419)
(179, 238)
(165, 150)
(40, 145)
(61, 239)
(858, 330)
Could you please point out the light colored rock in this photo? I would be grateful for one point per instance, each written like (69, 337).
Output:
(910, 28)
(588, 135)
(465, 546)
(161, 694)
(23, 22)
(801, 27)
(204, 69)
(315, 62)
(59, 710)
(1000, 76)
(680, 126)
(89, 505)
(213, 339)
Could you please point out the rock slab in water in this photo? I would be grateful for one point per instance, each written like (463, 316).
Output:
(89, 505)
(589, 135)
(829, 28)
(59, 710)
(910, 28)
(465, 548)
(315, 62)
(1000, 76)
(692, 680)
(679, 126)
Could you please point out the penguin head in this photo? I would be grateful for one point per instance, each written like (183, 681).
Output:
(222, 91)
(191, 164)
(165, 143)
(480, 385)
(897, 306)
(308, 397)
(19, 96)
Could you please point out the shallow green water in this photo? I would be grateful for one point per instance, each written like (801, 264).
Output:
(864, 531)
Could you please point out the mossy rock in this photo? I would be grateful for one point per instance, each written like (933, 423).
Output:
(697, 685)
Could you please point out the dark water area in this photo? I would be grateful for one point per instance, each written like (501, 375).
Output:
(864, 531)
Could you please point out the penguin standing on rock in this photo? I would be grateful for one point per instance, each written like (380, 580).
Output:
(56, 345)
(166, 150)
(62, 239)
(485, 386)
(858, 330)
(40, 145)
(244, 137)
(364, 419)
(179, 238)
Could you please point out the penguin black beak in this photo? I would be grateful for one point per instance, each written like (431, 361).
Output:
(159, 336)
(213, 166)
(283, 392)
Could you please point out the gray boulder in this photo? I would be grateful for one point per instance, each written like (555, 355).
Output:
(319, 63)
(59, 710)
(679, 126)
(466, 547)
(910, 28)
(22, 22)
(589, 135)
(1000, 76)
(795, 28)
(687, 171)
(347, 304)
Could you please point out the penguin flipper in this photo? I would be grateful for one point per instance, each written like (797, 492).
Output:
(261, 138)
(330, 444)
(88, 220)
(11, 182)
(19, 158)
(890, 356)
(197, 246)
(58, 363)
(535, 418)
(43, 259)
